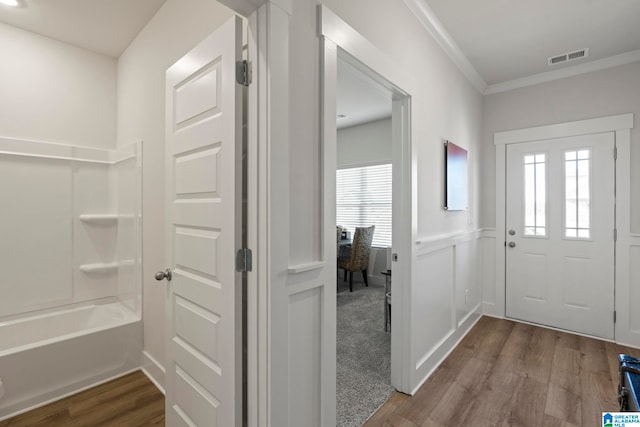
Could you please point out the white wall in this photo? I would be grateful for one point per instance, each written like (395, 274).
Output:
(55, 92)
(592, 95)
(177, 27)
(365, 144)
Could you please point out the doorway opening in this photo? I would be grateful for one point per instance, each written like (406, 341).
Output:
(364, 219)
(341, 46)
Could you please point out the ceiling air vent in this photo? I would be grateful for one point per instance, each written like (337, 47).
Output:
(569, 56)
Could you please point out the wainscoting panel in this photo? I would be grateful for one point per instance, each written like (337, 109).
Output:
(488, 268)
(305, 357)
(467, 278)
(446, 298)
(433, 311)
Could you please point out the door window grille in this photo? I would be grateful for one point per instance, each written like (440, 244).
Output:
(577, 199)
(535, 195)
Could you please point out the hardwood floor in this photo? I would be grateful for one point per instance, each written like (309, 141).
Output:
(128, 401)
(505, 373)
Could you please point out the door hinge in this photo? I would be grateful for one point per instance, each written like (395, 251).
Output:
(615, 316)
(243, 72)
(615, 153)
(243, 260)
(615, 234)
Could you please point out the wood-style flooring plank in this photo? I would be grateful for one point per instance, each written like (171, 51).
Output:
(492, 340)
(539, 356)
(128, 401)
(528, 403)
(380, 418)
(452, 408)
(398, 421)
(417, 408)
(510, 374)
(563, 404)
(550, 421)
(597, 396)
(490, 407)
(515, 348)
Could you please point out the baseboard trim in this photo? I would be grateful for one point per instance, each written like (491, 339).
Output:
(446, 347)
(153, 370)
(490, 309)
(495, 316)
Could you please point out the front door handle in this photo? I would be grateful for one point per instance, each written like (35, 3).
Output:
(512, 244)
(161, 275)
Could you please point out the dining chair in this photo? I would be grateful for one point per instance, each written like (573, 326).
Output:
(358, 260)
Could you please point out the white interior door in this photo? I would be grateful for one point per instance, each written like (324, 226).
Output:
(560, 233)
(203, 305)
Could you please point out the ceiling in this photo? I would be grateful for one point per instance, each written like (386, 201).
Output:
(506, 40)
(503, 40)
(359, 98)
(102, 26)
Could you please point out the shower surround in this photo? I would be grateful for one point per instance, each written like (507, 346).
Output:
(70, 253)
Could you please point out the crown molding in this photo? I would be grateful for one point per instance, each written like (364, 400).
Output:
(430, 21)
(244, 7)
(547, 76)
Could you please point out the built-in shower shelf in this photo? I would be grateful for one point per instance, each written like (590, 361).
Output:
(128, 263)
(101, 267)
(106, 267)
(99, 219)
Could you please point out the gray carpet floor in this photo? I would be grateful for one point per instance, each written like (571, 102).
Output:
(363, 353)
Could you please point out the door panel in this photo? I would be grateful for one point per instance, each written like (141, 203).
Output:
(203, 138)
(560, 225)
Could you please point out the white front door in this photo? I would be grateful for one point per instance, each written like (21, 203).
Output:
(560, 233)
(203, 140)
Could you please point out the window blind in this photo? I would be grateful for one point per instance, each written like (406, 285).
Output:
(363, 198)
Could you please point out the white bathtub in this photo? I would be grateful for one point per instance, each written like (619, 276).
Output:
(49, 356)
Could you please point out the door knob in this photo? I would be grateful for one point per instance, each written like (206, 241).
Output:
(161, 275)
(511, 245)
(512, 232)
